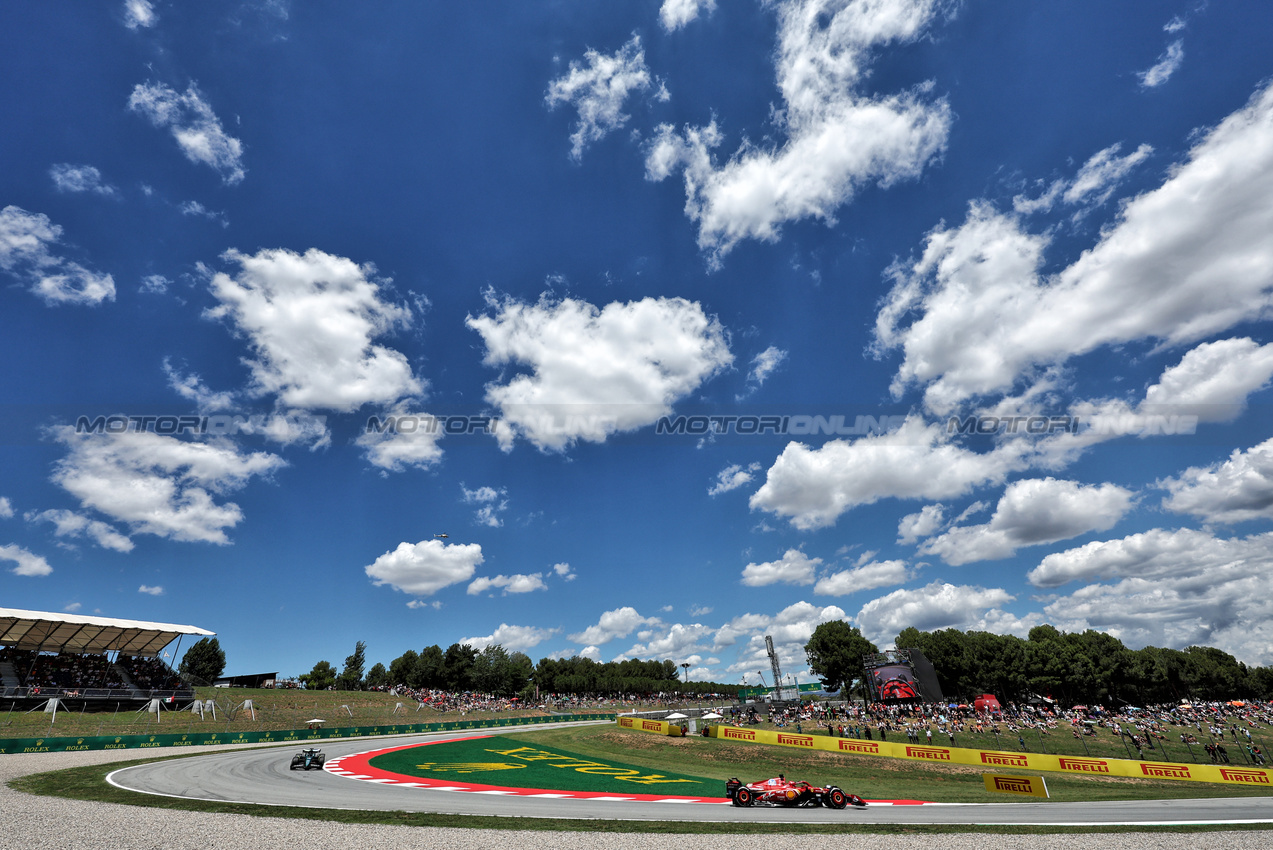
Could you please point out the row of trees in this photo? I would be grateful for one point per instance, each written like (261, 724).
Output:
(495, 670)
(1080, 667)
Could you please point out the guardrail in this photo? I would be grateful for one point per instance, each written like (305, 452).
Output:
(126, 742)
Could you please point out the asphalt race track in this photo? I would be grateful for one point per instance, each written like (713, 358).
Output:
(262, 776)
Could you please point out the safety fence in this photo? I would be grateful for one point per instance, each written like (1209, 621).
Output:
(129, 742)
(998, 760)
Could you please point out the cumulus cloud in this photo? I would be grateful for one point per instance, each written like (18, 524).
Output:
(618, 623)
(311, 320)
(794, 567)
(412, 441)
(1031, 512)
(509, 584)
(1236, 490)
(6, 508)
(732, 477)
(598, 88)
(424, 568)
(675, 14)
(813, 487)
(139, 14)
(156, 484)
(491, 504)
(936, 606)
(563, 572)
(764, 363)
(71, 524)
(974, 314)
(26, 240)
(790, 629)
(80, 178)
(922, 524)
(595, 372)
(838, 139)
(193, 124)
(1093, 185)
(151, 590)
(1167, 64)
(1213, 380)
(866, 577)
(512, 638)
(1171, 588)
(26, 563)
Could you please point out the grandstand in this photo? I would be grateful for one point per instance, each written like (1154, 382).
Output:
(88, 662)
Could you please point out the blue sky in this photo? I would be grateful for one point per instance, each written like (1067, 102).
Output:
(686, 322)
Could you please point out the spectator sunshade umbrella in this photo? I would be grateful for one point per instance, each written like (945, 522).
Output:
(676, 715)
(713, 716)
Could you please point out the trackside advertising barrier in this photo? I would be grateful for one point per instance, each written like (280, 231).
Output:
(658, 727)
(137, 742)
(995, 760)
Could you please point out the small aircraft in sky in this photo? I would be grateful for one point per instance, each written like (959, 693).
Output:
(441, 535)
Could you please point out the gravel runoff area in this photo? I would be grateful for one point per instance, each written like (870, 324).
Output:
(34, 823)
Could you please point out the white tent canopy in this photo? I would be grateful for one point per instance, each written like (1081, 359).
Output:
(42, 631)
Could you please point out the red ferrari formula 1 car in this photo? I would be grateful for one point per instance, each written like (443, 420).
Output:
(781, 791)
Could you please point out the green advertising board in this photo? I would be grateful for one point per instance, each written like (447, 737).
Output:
(140, 742)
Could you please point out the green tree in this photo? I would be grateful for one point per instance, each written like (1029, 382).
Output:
(835, 653)
(430, 670)
(402, 668)
(457, 672)
(322, 677)
(203, 661)
(350, 678)
(377, 676)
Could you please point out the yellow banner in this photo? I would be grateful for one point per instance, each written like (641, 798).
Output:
(658, 727)
(1031, 786)
(1081, 766)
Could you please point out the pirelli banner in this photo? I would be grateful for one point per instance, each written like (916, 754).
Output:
(998, 761)
(658, 727)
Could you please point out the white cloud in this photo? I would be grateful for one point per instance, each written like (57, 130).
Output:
(155, 284)
(618, 623)
(678, 641)
(80, 178)
(512, 638)
(1182, 262)
(922, 524)
(28, 564)
(153, 591)
(25, 241)
(936, 606)
(157, 484)
(71, 524)
(793, 568)
(509, 584)
(596, 372)
(764, 363)
(597, 88)
(424, 568)
(193, 124)
(492, 504)
(1166, 65)
(1031, 512)
(732, 477)
(139, 14)
(837, 138)
(411, 442)
(1169, 588)
(1101, 174)
(192, 388)
(813, 487)
(790, 629)
(675, 14)
(197, 209)
(6, 508)
(1213, 380)
(564, 572)
(311, 320)
(866, 577)
(1237, 490)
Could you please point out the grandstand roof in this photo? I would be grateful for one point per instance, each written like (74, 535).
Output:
(40, 630)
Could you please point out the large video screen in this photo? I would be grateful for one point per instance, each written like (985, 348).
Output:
(893, 682)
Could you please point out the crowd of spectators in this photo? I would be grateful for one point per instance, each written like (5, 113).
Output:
(70, 674)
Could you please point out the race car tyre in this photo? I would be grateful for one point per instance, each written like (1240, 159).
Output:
(744, 797)
(835, 799)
